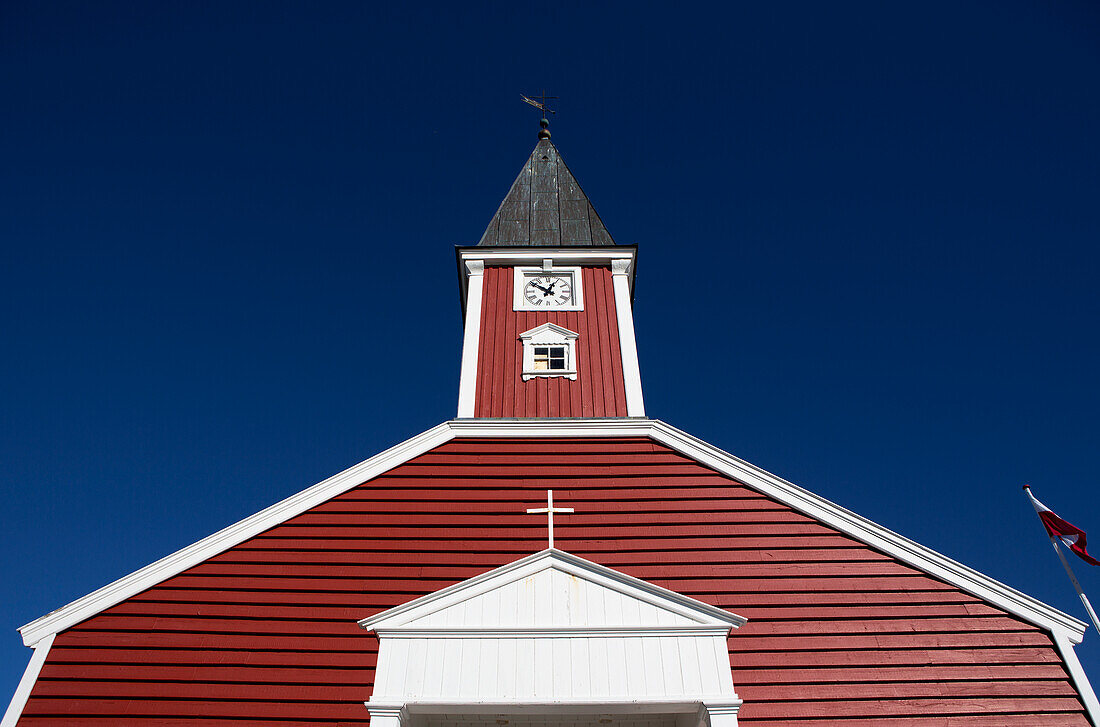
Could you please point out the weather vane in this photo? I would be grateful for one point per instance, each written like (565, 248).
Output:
(542, 104)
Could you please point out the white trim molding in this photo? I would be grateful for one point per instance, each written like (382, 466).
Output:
(711, 711)
(536, 256)
(621, 275)
(467, 382)
(1062, 626)
(549, 335)
(1080, 679)
(222, 540)
(30, 676)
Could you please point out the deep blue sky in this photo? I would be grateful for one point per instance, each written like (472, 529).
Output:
(868, 264)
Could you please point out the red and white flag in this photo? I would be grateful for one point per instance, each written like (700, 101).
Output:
(1071, 536)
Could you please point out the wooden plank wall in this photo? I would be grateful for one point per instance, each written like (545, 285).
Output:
(264, 634)
(598, 391)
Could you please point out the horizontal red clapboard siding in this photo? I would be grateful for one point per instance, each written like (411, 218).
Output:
(839, 634)
(599, 389)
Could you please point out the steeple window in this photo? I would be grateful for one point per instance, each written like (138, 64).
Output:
(549, 350)
(550, 358)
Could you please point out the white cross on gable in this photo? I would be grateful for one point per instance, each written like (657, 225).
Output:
(549, 510)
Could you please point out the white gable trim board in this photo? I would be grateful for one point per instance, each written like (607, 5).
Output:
(26, 683)
(555, 630)
(240, 531)
(1064, 627)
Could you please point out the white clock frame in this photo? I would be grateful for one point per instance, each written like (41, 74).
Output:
(522, 274)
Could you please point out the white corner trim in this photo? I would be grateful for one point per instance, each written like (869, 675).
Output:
(210, 546)
(387, 714)
(30, 676)
(1080, 679)
(628, 345)
(467, 381)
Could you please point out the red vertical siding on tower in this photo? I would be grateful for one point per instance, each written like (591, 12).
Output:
(839, 634)
(598, 391)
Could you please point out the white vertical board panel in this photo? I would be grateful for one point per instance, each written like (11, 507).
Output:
(452, 668)
(488, 665)
(537, 592)
(581, 672)
(618, 684)
(397, 665)
(670, 664)
(382, 671)
(652, 670)
(507, 670)
(722, 666)
(634, 668)
(414, 673)
(599, 679)
(472, 650)
(555, 667)
(689, 666)
(525, 668)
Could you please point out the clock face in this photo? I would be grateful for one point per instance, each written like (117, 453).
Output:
(549, 290)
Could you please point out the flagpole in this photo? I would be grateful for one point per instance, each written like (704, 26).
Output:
(1076, 585)
(1076, 532)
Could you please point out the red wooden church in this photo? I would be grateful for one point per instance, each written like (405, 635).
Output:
(687, 588)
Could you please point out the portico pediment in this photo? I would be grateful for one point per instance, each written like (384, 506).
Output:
(552, 590)
(553, 631)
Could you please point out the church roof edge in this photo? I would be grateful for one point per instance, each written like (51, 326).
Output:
(925, 559)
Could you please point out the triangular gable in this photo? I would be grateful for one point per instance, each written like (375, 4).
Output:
(1064, 627)
(552, 589)
(548, 332)
(580, 627)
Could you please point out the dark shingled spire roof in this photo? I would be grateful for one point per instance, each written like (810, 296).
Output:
(546, 207)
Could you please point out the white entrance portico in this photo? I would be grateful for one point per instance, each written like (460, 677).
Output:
(553, 640)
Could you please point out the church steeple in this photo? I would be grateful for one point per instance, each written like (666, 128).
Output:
(545, 207)
(549, 330)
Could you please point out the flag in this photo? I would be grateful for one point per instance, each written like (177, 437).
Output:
(1071, 536)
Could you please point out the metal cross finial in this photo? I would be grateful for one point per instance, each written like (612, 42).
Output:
(549, 510)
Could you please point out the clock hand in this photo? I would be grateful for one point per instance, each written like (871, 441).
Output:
(539, 287)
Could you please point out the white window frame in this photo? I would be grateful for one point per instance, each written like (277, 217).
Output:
(549, 335)
(519, 280)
